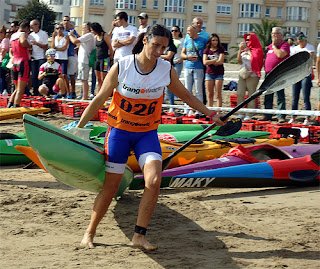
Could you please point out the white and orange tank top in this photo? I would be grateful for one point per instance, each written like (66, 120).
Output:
(137, 102)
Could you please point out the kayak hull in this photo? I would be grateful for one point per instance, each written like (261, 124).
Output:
(228, 161)
(274, 171)
(70, 159)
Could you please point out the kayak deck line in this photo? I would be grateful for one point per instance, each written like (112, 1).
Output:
(62, 135)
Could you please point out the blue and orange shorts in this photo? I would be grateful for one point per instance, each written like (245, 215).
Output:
(119, 143)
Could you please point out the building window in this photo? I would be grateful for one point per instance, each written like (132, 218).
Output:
(125, 4)
(297, 29)
(244, 28)
(96, 18)
(96, 2)
(59, 16)
(76, 3)
(132, 20)
(169, 23)
(279, 12)
(297, 14)
(174, 6)
(144, 4)
(77, 20)
(250, 11)
(224, 9)
(155, 4)
(223, 28)
(318, 35)
(56, 2)
(267, 15)
(197, 8)
(154, 22)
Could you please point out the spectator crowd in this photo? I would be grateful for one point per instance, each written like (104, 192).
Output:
(30, 65)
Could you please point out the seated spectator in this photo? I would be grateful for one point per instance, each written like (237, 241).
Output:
(51, 73)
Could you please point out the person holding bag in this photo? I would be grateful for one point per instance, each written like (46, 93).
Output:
(251, 60)
(4, 58)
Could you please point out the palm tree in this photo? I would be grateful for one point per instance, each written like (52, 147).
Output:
(263, 32)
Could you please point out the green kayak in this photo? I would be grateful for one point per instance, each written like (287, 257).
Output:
(70, 159)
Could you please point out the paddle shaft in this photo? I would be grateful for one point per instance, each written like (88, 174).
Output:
(225, 117)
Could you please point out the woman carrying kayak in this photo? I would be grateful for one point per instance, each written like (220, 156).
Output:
(137, 82)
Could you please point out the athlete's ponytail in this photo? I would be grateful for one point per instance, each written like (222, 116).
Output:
(153, 31)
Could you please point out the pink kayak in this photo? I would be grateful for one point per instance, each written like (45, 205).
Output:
(236, 156)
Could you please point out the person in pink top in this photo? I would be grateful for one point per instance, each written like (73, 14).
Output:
(277, 51)
(20, 52)
(4, 49)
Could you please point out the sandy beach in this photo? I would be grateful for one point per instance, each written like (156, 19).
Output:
(42, 222)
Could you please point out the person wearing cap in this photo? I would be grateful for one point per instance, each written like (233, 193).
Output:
(124, 37)
(51, 74)
(143, 20)
(304, 84)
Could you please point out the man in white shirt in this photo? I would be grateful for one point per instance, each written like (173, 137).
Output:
(86, 45)
(124, 37)
(39, 41)
(143, 20)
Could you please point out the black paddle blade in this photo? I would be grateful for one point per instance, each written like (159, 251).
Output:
(8, 136)
(231, 127)
(304, 175)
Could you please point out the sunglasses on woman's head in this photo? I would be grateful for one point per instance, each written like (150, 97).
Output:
(174, 31)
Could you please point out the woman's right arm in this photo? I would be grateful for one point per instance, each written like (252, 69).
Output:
(239, 52)
(109, 83)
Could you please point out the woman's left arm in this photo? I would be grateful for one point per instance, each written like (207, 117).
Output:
(177, 88)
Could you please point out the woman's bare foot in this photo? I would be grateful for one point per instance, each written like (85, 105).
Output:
(140, 241)
(87, 240)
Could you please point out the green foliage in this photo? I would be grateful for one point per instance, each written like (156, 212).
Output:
(40, 11)
(263, 32)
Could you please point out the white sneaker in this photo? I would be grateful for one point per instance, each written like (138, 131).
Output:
(171, 110)
(307, 122)
(247, 118)
(91, 96)
(292, 120)
(241, 117)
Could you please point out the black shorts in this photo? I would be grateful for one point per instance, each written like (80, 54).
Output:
(21, 71)
(102, 65)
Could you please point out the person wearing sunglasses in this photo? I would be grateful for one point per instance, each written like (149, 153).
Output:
(306, 83)
(51, 74)
(72, 67)
(61, 44)
(250, 56)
